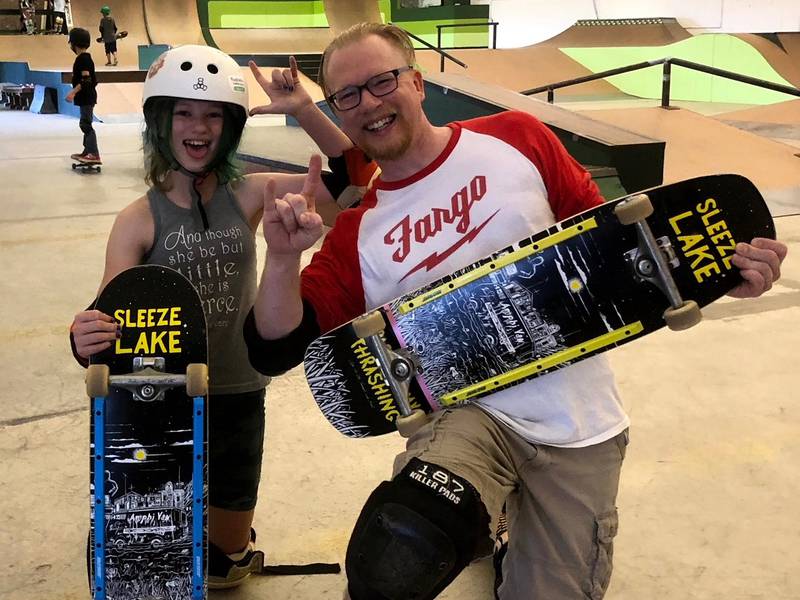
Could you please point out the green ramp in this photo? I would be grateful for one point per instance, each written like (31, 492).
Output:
(715, 50)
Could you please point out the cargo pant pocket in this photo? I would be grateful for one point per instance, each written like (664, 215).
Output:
(605, 532)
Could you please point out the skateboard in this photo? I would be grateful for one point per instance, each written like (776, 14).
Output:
(86, 167)
(119, 35)
(148, 536)
(597, 280)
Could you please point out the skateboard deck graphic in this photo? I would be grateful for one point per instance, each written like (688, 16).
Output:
(583, 286)
(148, 438)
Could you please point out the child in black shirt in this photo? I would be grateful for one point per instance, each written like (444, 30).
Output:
(84, 93)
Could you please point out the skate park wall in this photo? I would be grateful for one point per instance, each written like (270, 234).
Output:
(526, 22)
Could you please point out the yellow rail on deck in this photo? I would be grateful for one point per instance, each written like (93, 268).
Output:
(543, 364)
(494, 265)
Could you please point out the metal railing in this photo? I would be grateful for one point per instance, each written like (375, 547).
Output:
(666, 80)
(492, 24)
(442, 54)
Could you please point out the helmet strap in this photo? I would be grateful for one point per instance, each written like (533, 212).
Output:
(198, 210)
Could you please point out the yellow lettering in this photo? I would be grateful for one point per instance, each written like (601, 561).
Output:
(706, 206)
(175, 316)
(698, 255)
(674, 220)
(706, 272)
(174, 342)
(726, 261)
(688, 241)
(707, 217)
(141, 346)
(721, 236)
(718, 226)
(157, 341)
(119, 349)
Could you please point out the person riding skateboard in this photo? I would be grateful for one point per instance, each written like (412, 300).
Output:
(199, 217)
(84, 94)
(550, 449)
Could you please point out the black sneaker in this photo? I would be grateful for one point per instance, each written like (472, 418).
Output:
(230, 570)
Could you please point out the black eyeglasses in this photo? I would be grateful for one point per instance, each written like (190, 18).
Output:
(379, 85)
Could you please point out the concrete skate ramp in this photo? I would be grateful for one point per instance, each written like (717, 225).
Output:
(173, 22)
(786, 113)
(698, 145)
(521, 69)
(619, 32)
(783, 56)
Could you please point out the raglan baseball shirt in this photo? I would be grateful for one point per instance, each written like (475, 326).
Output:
(500, 179)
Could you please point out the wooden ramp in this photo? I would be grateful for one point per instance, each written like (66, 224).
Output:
(698, 145)
(520, 69)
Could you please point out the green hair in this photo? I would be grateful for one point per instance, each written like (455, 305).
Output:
(158, 157)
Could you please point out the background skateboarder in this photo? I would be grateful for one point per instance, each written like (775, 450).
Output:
(108, 33)
(84, 94)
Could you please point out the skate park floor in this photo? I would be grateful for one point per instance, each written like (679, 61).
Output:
(707, 489)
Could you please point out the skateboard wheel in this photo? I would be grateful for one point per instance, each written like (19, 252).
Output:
(371, 324)
(97, 381)
(685, 316)
(634, 209)
(408, 426)
(196, 379)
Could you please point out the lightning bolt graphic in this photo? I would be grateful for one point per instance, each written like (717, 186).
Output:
(435, 259)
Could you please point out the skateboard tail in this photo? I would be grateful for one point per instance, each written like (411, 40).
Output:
(329, 384)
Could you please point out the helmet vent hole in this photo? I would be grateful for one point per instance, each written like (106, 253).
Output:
(213, 69)
(186, 66)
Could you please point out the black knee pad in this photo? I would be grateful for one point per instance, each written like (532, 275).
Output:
(414, 535)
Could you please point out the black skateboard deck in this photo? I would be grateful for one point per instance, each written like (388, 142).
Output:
(86, 167)
(119, 35)
(148, 439)
(585, 285)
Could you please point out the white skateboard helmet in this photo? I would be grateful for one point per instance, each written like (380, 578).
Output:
(197, 73)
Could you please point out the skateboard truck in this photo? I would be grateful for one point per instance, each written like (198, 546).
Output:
(397, 368)
(652, 259)
(148, 382)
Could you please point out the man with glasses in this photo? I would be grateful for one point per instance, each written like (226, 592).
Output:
(551, 448)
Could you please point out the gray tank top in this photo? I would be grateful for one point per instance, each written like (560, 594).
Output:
(221, 264)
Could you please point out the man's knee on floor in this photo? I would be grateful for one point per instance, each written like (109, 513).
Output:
(415, 534)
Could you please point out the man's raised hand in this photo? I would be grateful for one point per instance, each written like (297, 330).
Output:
(291, 224)
(286, 94)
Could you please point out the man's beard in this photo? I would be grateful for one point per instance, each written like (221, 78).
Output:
(389, 150)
